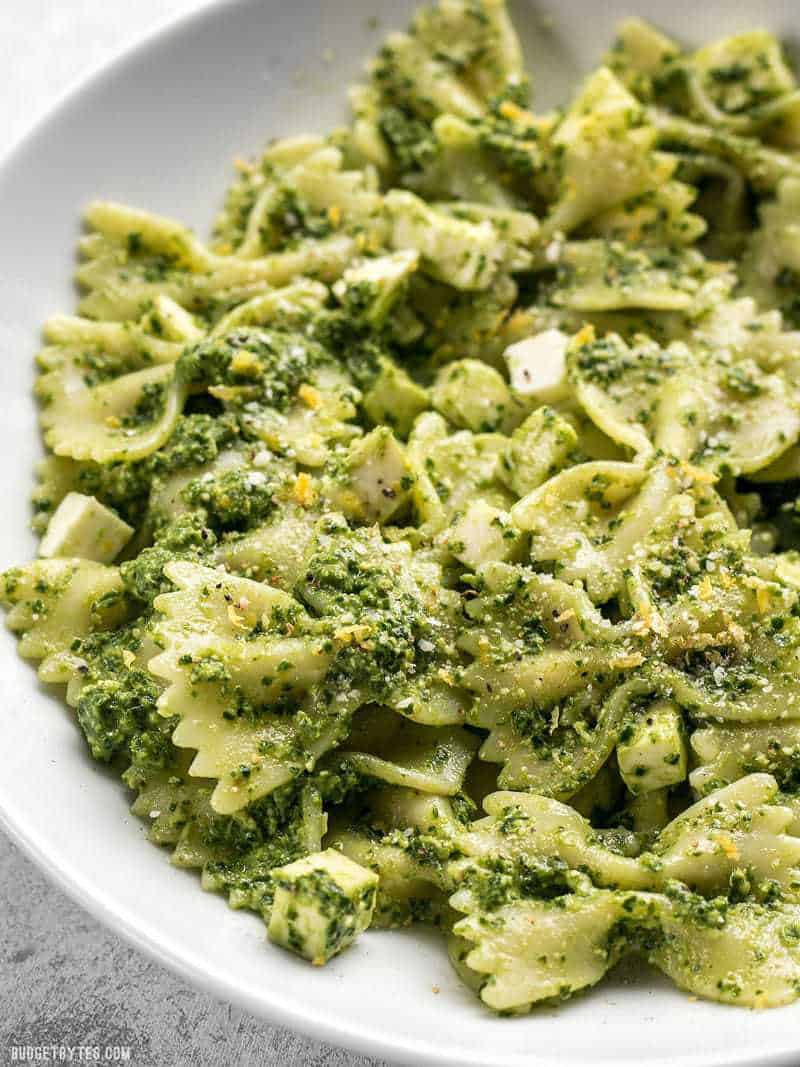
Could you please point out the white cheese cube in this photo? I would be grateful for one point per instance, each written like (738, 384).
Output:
(537, 365)
(652, 753)
(82, 527)
(322, 903)
(484, 534)
(377, 478)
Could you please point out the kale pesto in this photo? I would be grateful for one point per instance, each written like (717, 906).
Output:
(423, 549)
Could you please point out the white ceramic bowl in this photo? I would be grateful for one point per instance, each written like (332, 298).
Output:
(159, 128)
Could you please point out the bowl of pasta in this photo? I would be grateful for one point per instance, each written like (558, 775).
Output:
(413, 561)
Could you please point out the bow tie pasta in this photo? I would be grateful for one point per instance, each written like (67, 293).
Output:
(424, 547)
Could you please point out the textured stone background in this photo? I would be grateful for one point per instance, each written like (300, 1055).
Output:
(64, 979)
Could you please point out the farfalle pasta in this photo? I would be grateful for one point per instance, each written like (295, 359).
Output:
(423, 548)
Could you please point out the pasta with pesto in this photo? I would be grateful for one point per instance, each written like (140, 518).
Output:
(424, 548)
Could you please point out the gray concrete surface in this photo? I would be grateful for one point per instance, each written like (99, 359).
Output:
(64, 980)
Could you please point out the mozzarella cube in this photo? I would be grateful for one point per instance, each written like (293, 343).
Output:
(537, 365)
(652, 752)
(377, 479)
(484, 534)
(82, 527)
(322, 903)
